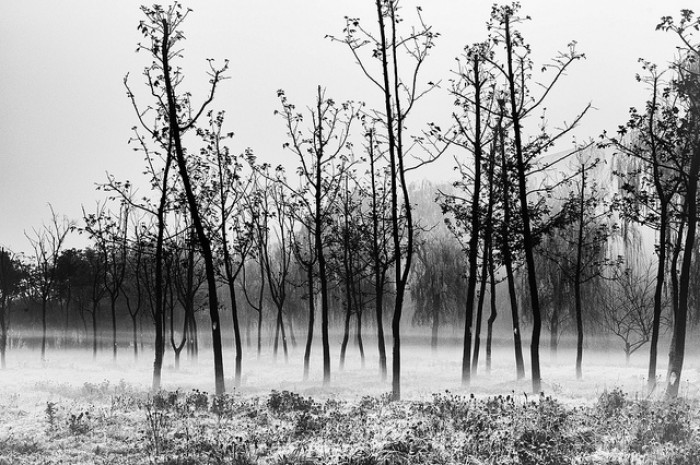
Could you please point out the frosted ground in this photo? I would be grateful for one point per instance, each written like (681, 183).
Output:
(71, 409)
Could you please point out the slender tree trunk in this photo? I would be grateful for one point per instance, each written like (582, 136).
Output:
(94, 333)
(475, 224)
(674, 290)
(113, 302)
(378, 275)
(231, 281)
(159, 343)
(554, 332)
(195, 338)
(346, 336)
(176, 133)
(507, 256)
(679, 329)
(394, 126)
(312, 315)
(260, 313)
(480, 311)
(658, 297)
(280, 332)
(528, 240)
(43, 329)
(275, 345)
(320, 253)
(578, 278)
(360, 345)
(236, 333)
(494, 311)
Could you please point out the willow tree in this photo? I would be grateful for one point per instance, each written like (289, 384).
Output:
(649, 183)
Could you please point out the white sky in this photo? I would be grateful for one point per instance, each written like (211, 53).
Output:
(65, 119)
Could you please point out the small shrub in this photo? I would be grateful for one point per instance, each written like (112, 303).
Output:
(79, 424)
(223, 406)
(611, 403)
(197, 400)
(51, 412)
(286, 401)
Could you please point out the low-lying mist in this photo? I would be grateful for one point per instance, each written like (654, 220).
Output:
(424, 370)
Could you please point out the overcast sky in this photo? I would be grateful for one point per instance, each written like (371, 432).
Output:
(65, 119)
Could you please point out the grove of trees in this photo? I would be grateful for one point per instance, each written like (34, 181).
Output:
(528, 234)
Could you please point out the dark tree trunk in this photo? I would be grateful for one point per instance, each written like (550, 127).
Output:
(554, 333)
(236, 331)
(658, 297)
(194, 338)
(578, 279)
(679, 329)
(394, 125)
(94, 333)
(494, 311)
(321, 257)
(113, 302)
(480, 310)
(159, 343)
(312, 316)
(360, 345)
(528, 239)
(377, 272)
(475, 224)
(279, 331)
(346, 336)
(43, 330)
(176, 133)
(674, 290)
(259, 332)
(507, 256)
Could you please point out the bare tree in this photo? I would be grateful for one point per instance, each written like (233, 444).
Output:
(11, 276)
(628, 311)
(516, 70)
(400, 96)
(317, 148)
(176, 116)
(47, 243)
(109, 233)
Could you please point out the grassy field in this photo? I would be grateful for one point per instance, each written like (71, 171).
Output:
(73, 410)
